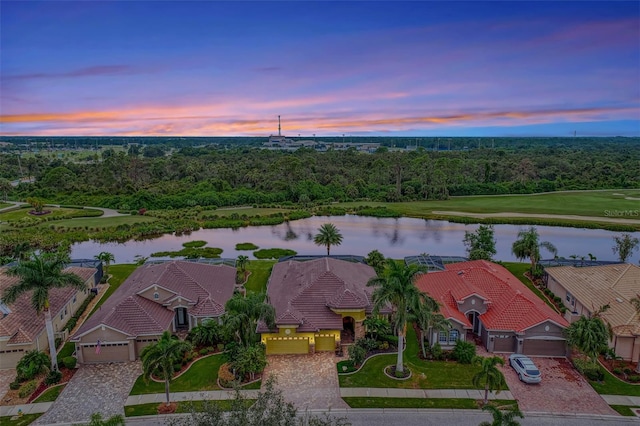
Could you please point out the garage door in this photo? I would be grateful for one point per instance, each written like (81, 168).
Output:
(325, 342)
(287, 345)
(109, 352)
(503, 343)
(9, 358)
(544, 347)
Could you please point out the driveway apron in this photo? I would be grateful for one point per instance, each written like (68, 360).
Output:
(6, 376)
(99, 388)
(563, 390)
(308, 381)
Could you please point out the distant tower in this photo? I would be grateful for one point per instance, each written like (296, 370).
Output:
(279, 126)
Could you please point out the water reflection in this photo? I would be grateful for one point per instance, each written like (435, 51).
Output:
(395, 238)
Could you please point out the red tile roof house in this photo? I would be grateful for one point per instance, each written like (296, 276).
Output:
(319, 305)
(157, 297)
(485, 300)
(23, 330)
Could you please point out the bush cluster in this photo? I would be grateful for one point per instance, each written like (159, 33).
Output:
(590, 370)
(28, 388)
(71, 323)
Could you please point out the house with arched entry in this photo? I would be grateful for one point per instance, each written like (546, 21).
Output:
(170, 296)
(319, 304)
(485, 302)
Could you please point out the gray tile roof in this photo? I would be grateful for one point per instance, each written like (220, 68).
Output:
(303, 293)
(208, 287)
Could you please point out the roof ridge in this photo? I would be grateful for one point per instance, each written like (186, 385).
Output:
(627, 267)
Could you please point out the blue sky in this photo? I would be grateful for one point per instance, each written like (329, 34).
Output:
(328, 68)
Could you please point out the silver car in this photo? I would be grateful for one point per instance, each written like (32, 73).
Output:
(526, 369)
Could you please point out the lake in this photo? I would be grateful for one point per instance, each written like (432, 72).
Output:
(395, 238)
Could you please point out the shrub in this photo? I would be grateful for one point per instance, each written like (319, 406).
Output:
(367, 344)
(52, 378)
(357, 354)
(71, 323)
(383, 346)
(617, 371)
(390, 338)
(627, 371)
(634, 378)
(14, 385)
(70, 362)
(589, 369)
(27, 389)
(464, 352)
(436, 352)
(225, 375)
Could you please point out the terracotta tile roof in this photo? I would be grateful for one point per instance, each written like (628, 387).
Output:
(23, 324)
(303, 292)
(209, 287)
(510, 304)
(595, 286)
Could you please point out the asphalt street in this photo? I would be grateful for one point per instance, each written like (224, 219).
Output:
(443, 417)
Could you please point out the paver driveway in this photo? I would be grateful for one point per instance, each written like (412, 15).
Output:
(563, 389)
(6, 377)
(99, 388)
(308, 381)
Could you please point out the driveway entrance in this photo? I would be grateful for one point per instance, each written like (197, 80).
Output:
(563, 390)
(98, 388)
(308, 381)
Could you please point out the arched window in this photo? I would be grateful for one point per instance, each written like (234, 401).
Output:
(156, 295)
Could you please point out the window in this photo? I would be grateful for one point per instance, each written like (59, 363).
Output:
(61, 315)
(443, 337)
(571, 299)
(156, 295)
(453, 336)
(74, 298)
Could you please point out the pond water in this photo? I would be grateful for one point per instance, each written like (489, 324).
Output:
(395, 238)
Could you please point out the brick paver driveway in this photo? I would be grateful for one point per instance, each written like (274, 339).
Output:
(99, 388)
(6, 377)
(563, 389)
(308, 381)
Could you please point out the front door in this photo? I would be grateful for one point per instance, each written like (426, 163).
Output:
(181, 318)
(475, 322)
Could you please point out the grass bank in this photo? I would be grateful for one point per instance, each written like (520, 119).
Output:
(118, 273)
(260, 271)
(611, 385)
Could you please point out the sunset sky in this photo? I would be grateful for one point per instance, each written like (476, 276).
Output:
(420, 68)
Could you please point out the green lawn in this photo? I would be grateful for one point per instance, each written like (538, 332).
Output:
(425, 374)
(454, 403)
(202, 376)
(611, 385)
(581, 203)
(518, 270)
(67, 350)
(50, 394)
(152, 408)
(25, 420)
(119, 274)
(624, 410)
(5, 205)
(15, 215)
(260, 271)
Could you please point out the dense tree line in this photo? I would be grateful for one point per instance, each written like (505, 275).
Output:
(217, 176)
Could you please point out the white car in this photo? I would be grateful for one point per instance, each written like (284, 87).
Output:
(526, 369)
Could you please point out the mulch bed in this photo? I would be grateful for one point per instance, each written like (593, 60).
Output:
(612, 364)
(167, 409)
(67, 374)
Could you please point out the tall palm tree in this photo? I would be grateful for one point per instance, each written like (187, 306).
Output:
(428, 318)
(159, 357)
(503, 417)
(242, 262)
(489, 376)
(244, 312)
(528, 245)
(38, 276)
(328, 235)
(396, 288)
(106, 258)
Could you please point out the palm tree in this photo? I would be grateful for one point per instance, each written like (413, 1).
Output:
(589, 335)
(328, 235)
(106, 258)
(397, 288)
(244, 312)
(242, 262)
(528, 245)
(503, 417)
(159, 357)
(427, 319)
(39, 275)
(489, 376)
(31, 364)
(206, 334)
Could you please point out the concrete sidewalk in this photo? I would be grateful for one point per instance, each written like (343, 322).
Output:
(629, 401)
(12, 410)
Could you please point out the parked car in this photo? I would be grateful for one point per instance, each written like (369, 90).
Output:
(526, 369)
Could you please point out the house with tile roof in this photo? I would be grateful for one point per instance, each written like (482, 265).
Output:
(23, 330)
(169, 296)
(319, 305)
(485, 302)
(584, 290)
